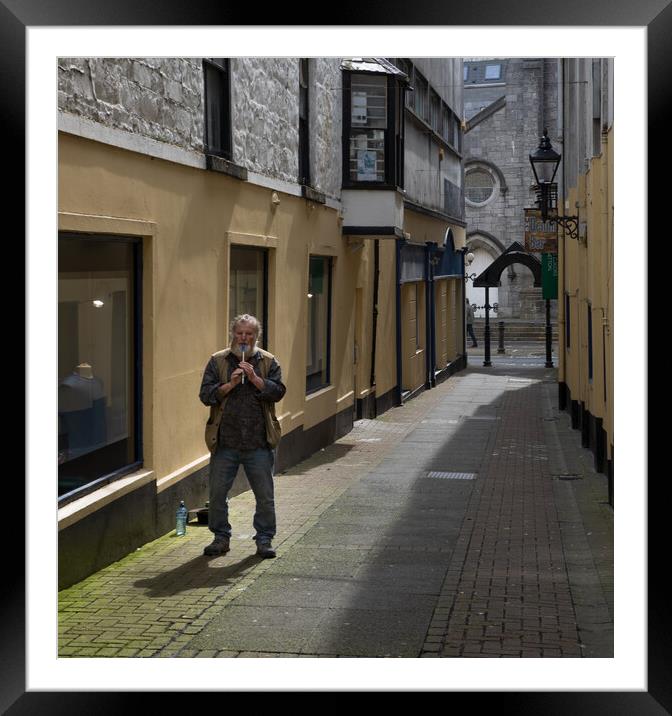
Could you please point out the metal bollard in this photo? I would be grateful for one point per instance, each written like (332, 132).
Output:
(500, 348)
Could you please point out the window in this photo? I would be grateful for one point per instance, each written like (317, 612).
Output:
(466, 72)
(304, 137)
(373, 121)
(407, 67)
(493, 72)
(319, 323)
(368, 122)
(99, 426)
(479, 186)
(217, 107)
(248, 284)
(435, 112)
(421, 97)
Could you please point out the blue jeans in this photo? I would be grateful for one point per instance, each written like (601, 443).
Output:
(258, 466)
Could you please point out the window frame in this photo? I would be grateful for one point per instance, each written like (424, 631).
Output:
(393, 139)
(264, 252)
(225, 133)
(135, 361)
(304, 122)
(487, 67)
(311, 386)
(477, 168)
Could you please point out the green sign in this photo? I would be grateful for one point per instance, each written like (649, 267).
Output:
(549, 275)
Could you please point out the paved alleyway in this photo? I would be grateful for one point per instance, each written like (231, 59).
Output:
(467, 523)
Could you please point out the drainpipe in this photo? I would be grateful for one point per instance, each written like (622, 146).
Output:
(429, 317)
(399, 243)
(463, 253)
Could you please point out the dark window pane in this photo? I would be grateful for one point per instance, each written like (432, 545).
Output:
(96, 360)
(319, 322)
(217, 109)
(247, 283)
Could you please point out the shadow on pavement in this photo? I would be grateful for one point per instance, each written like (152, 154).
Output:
(198, 572)
(335, 451)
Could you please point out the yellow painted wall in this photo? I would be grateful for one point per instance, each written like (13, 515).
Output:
(189, 218)
(386, 352)
(586, 275)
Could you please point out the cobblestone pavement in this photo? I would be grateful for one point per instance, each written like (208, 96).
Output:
(467, 523)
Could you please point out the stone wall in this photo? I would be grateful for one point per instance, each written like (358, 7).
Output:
(158, 98)
(504, 141)
(265, 115)
(163, 99)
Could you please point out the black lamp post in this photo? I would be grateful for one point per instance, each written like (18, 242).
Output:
(545, 161)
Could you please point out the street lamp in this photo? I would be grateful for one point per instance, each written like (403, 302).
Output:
(469, 259)
(545, 161)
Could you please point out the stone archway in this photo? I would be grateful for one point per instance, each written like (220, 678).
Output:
(515, 295)
(486, 248)
(490, 278)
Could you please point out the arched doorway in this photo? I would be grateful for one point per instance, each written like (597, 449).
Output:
(490, 278)
(485, 248)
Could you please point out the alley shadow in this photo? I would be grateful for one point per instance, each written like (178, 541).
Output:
(386, 610)
(194, 574)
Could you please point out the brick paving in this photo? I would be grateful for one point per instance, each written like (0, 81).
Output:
(467, 523)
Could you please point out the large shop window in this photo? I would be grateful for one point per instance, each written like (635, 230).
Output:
(319, 323)
(248, 285)
(99, 426)
(373, 122)
(217, 83)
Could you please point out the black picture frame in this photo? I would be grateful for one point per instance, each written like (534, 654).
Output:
(17, 15)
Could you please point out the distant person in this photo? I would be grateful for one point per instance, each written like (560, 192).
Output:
(470, 323)
(241, 385)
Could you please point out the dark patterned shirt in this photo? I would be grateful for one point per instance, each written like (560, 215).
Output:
(243, 425)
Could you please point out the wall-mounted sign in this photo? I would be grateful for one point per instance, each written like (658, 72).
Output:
(366, 166)
(540, 236)
(549, 275)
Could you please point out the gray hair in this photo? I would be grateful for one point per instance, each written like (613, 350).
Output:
(245, 318)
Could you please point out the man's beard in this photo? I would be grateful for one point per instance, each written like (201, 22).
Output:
(249, 349)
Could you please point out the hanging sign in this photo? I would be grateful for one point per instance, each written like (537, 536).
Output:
(540, 236)
(549, 275)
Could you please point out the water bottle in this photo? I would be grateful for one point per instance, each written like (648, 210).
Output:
(181, 520)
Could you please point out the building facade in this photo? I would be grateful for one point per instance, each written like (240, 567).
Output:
(507, 104)
(585, 263)
(321, 194)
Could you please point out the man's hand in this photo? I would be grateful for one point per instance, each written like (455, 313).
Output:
(248, 370)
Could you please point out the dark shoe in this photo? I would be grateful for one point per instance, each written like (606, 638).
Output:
(265, 550)
(220, 545)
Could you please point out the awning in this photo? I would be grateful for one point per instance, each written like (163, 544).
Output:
(374, 65)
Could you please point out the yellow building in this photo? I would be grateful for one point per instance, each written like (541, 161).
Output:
(170, 224)
(586, 286)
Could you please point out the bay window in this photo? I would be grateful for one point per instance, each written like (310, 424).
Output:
(373, 130)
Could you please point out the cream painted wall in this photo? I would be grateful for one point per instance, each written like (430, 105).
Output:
(386, 353)
(197, 215)
(586, 269)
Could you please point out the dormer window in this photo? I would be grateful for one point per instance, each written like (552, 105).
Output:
(493, 72)
(373, 124)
